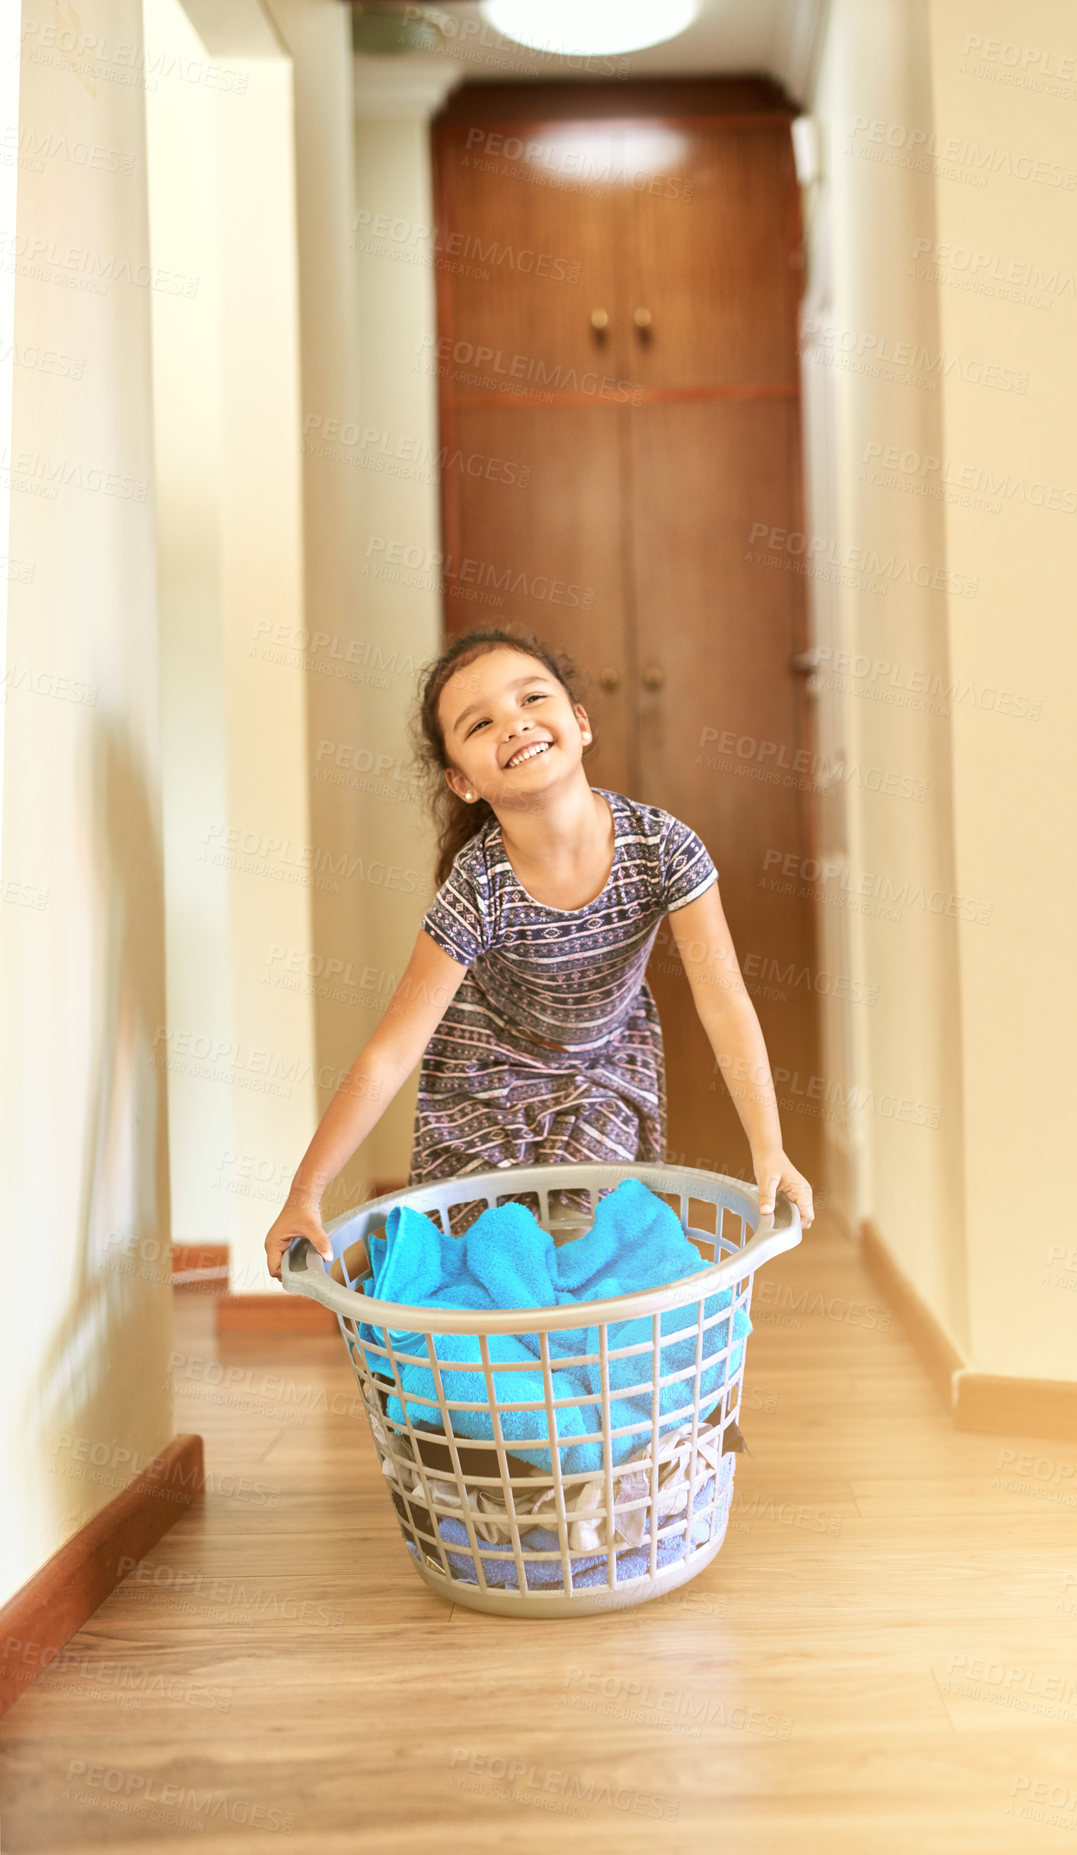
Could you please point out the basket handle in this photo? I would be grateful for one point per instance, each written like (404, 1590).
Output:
(778, 1231)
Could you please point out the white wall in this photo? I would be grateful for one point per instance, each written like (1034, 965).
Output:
(185, 238)
(369, 412)
(398, 398)
(242, 862)
(1014, 778)
(305, 664)
(87, 1323)
(968, 1021)
(360, 668)
(876, 66)
(291, 670)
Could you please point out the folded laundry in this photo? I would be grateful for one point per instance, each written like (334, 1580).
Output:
(584, 1501)
(506, 1260)
(405, 1456)
(499, 1563)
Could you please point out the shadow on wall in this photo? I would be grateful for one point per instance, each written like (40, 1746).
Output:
(102, 1376)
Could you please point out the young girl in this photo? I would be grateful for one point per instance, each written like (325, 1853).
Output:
(525, 996)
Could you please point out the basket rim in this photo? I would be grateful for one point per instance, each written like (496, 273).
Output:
(773, 1234)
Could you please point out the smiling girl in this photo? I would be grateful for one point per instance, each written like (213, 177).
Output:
(525, 1000)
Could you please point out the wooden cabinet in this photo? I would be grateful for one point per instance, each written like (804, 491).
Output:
(617, 273)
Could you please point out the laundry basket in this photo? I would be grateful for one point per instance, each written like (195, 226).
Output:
(620, 1511)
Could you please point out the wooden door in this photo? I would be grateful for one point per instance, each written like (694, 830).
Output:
(549, 553)
(721, 720)
(710, 271)
(532, 493)
(706, 257)
(524, 252)
(614, 430)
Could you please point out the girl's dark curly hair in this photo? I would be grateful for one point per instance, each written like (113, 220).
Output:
(456, 821)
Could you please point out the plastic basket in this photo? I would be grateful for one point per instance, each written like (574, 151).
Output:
(487, 1525)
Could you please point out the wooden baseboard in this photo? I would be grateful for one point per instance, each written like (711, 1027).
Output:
(1015, 1406)
(278, 1313)
(984, 1401)
(37, 1622)
(273, 1314)
(285, 1313)
(937, 1352)
(201, 1265)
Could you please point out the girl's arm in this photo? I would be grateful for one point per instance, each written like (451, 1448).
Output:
(733, 1031)
(430, 981)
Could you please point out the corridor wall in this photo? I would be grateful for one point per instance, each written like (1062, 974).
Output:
(365, 419)
(1004, 86)
(87, 1313)
(241, 859)
(938, 389)
(894, 1093)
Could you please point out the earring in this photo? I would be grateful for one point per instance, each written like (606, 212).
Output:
(587, 737)
(469, 795)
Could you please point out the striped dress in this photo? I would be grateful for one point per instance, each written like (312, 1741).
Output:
(551, 1049)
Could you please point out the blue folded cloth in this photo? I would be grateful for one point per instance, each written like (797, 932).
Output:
(506, 1260)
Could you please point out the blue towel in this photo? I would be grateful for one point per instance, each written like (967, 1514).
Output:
(506, 1260)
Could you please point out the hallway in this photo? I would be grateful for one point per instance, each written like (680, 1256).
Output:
(734, 366)
(876, 1659)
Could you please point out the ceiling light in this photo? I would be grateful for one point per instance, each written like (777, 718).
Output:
(579, 28)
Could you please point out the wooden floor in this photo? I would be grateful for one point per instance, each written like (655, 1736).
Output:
(881, 1658)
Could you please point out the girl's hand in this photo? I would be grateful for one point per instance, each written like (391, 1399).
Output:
(775, 1172)
(299, 1218)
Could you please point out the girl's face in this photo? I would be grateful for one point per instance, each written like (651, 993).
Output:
(510, 729)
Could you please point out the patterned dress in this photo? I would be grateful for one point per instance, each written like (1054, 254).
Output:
(551, 1049)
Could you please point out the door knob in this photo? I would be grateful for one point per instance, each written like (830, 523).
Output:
(654, 676)
(599, 320)
(608, 679)
(642, 319)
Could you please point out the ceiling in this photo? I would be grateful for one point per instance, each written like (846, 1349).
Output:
(774, 38)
